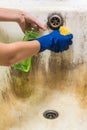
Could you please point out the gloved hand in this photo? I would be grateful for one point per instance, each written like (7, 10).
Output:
(56, 41)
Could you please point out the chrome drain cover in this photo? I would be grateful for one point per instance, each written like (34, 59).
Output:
(50, 114)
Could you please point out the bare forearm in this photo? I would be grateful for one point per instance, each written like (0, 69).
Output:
(18, 51)
(10, 14)
(22, 18)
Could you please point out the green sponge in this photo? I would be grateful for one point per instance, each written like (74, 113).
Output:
(25, 65)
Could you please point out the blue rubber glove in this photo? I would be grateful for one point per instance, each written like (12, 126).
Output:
(55, 41)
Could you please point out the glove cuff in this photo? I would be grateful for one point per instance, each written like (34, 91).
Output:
(42, 41)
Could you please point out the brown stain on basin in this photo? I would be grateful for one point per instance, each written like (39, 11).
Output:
(29, 92)
(81, 89)
(62, 76)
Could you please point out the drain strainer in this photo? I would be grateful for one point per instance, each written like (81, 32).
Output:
(55, 21)
(50, 114)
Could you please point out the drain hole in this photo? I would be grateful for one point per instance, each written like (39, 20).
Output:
(55, 21)
(50, 114)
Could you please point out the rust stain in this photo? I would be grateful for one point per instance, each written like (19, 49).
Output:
(32, 90)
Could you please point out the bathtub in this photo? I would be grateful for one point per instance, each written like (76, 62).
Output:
(56, 82)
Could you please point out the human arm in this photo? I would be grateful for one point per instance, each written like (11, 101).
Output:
(18, 51)
(22, 18)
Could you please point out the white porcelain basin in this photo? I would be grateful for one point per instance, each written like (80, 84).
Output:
(55, 81)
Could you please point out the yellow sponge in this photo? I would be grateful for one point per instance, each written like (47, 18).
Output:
(64, 31)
